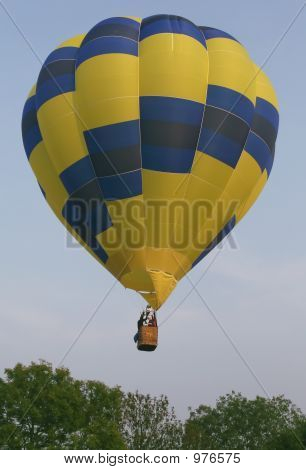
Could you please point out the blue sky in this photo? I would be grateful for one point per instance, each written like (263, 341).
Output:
(257, 292)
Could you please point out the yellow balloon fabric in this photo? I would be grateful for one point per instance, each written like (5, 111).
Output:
(150, 140)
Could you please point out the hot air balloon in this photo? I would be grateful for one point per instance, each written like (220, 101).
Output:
(150, 140)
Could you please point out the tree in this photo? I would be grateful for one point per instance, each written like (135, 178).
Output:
(42, 408)
(238, 423)
(149, 423)
(102, 414)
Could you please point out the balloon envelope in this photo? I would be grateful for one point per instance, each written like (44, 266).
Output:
(150, 140)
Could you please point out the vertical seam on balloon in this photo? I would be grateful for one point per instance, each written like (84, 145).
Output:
(202, 121)
(74, 96)
(140, 149)
(203, 115)
(172, 49)
(201, 126)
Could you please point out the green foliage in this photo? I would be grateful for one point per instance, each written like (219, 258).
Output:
(291, 439)
(238, 423)
(42, 408)
(149, 423)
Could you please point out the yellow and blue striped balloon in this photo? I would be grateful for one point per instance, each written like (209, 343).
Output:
(150, 111)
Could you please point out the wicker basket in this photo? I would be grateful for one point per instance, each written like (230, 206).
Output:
(147, 339)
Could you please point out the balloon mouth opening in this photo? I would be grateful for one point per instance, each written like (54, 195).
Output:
(146, 292)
